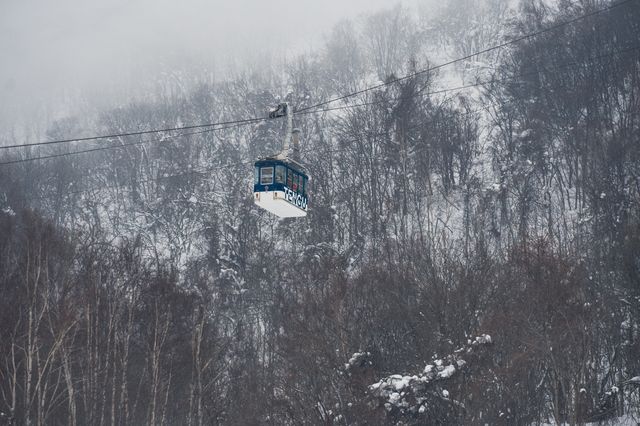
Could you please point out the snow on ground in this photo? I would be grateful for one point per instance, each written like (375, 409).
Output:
(410, 392)
(358, 359)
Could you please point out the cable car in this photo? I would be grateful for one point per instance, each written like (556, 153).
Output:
(280, 183)
(280, 187)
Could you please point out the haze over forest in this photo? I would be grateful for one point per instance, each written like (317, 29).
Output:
(70, 53)
(471, 252)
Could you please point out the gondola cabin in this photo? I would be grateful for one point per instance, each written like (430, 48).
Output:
(280, 187)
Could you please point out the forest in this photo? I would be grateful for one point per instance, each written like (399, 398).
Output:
(471, 253)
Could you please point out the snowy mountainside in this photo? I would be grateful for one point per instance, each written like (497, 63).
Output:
(470, 255)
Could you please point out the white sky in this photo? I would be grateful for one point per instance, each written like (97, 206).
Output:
(52, 47)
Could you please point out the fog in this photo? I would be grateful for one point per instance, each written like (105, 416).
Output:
(109, 51)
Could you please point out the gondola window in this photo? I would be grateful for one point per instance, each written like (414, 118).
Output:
(280, 173)
(266, 176)
(290, 178)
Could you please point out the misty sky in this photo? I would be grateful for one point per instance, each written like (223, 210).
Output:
(49, 48)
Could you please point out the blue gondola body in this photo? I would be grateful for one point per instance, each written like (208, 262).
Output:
(281, 187)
